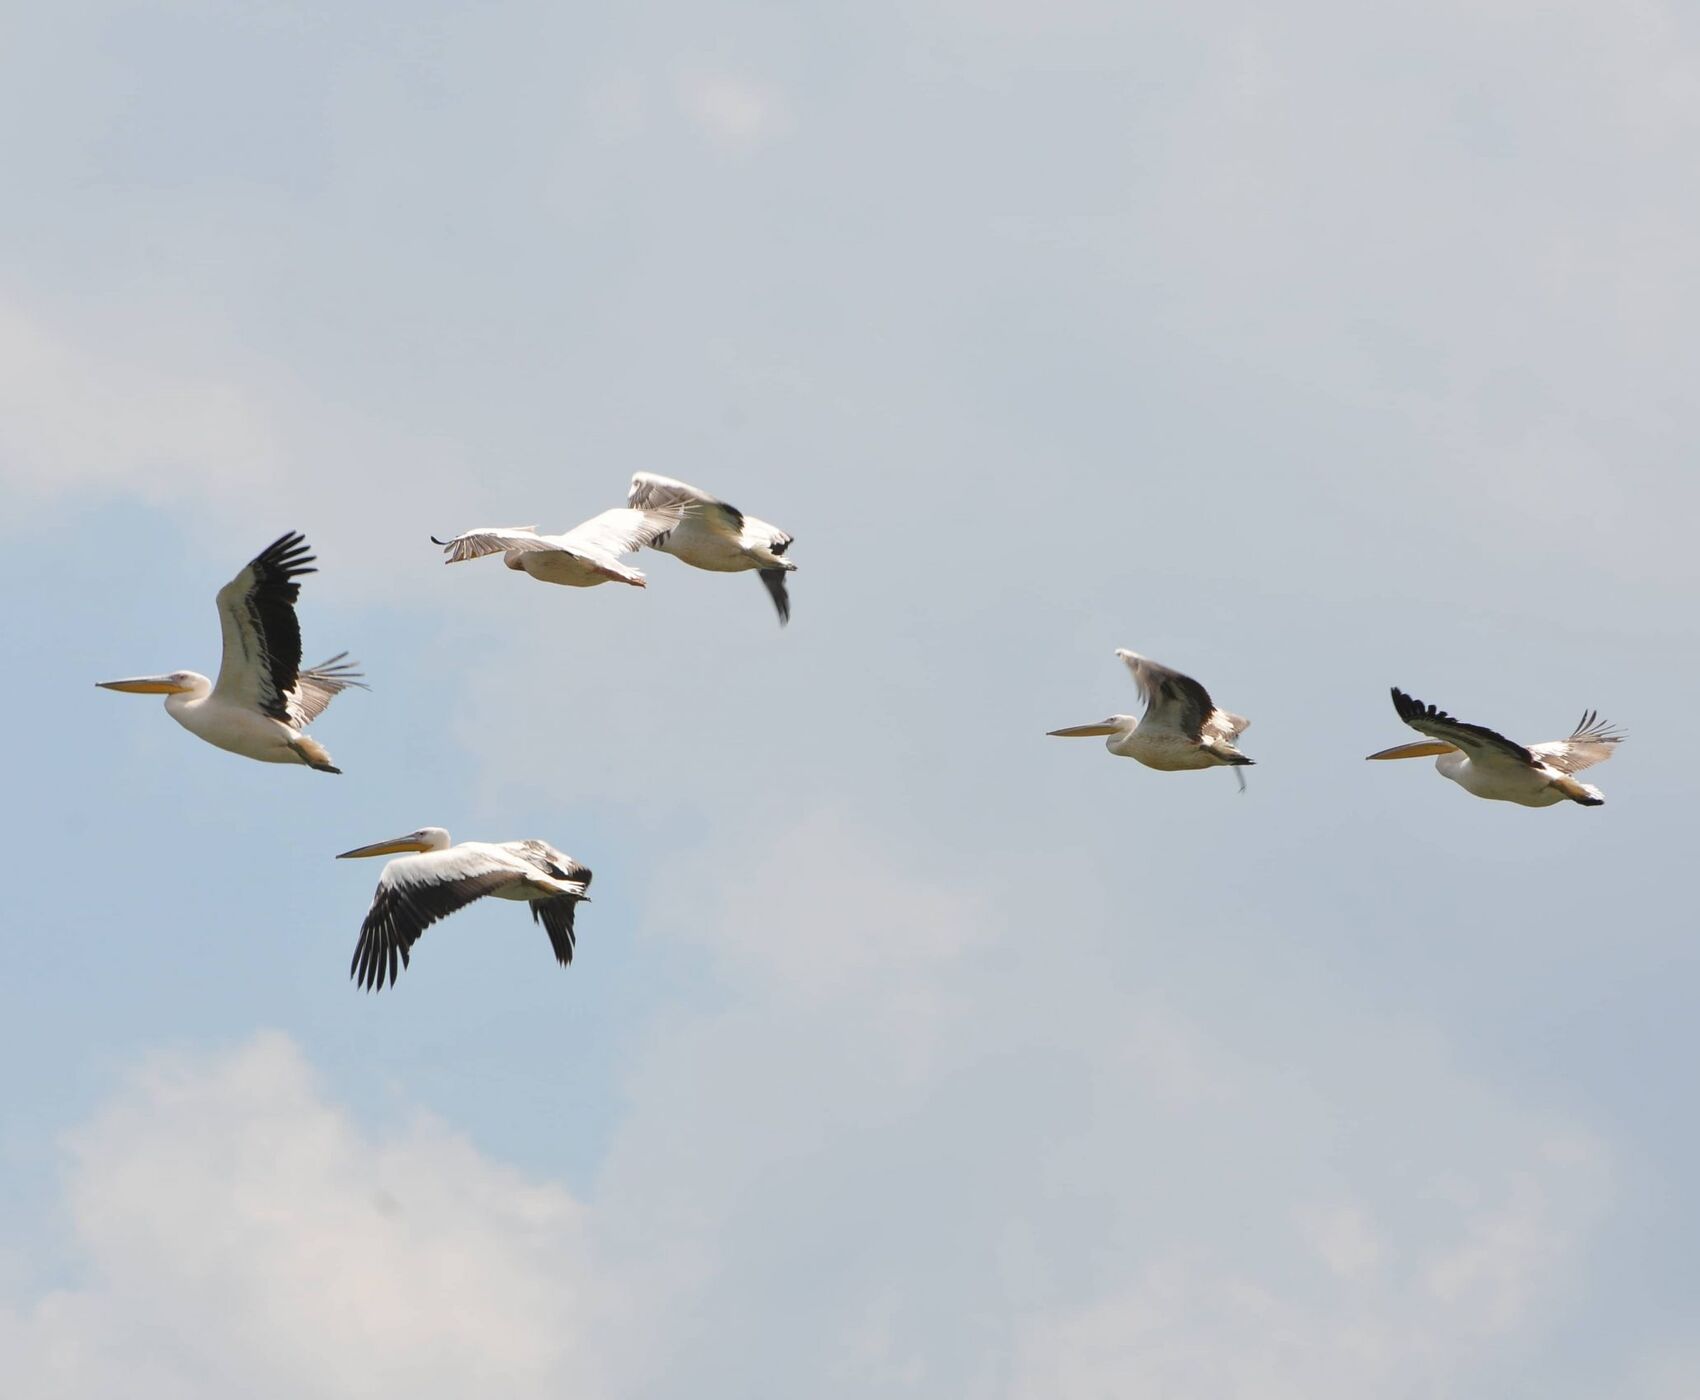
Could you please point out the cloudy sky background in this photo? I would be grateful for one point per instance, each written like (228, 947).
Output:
(908, 1052)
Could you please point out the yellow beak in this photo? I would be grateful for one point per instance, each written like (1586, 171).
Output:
(1083, 731)
(1428, 748)
(145, 685)
(400, 846)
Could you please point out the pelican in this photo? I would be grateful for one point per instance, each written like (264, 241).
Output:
(1181, 727)
(586, 555)
(418, 889)
(262, 700)
(717, 536)
(1489, 765)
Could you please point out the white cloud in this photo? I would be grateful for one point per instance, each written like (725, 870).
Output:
(906, 1150)
(1345, 1239)
(73, 419)
(733, 111)
(1186, 1328)
(243, 1235)
(933, 1137)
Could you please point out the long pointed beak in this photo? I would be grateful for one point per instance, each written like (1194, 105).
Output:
(1084, 731)
(1427, 748)
(397, 846)
(145, 685)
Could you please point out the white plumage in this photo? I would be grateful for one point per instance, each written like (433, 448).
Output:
(584, 556)
(716, 536)
(416, 890)
(1484, 762)
(263, 699)
(1182, 727)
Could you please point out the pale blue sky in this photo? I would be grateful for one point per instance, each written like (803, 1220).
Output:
(908, 1052)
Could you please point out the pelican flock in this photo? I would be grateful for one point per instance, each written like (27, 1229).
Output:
(1182, 727)
(263, 701)
(716, 536)
(1484, 762)
(436, 878)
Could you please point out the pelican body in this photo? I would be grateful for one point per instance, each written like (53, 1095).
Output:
(431, 878)
(1182, 727)
(1486, 764)
(716, 536)
(583, 557)
(263, 700)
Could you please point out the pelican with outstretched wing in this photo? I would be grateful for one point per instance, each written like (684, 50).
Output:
(262, 701)
(717, 536)
(435, 878)
(1181, 729)
(1484, 762)
(584, 556)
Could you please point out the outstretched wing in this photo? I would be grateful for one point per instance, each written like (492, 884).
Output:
(621, 530)
(491, 539)
(262, 638)
(1593, 741)
(414, 892)
(651, 492)
(1479, 743)
(1172, 701)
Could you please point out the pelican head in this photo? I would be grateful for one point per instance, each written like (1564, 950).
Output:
(1426, 748)
(427, 838)
(1115, 724)
(176, 683)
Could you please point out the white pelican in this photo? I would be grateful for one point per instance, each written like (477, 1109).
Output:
(586, 555)
(1181, 727)
(417, 890)
(1489, 765)
(717, 536)
(262, 699)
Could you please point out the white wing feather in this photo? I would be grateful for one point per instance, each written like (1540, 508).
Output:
(621, 531)
(492, 539)
(1594, 741)
(651, 492)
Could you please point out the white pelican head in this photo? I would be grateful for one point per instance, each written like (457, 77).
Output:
(427, 838)
(175, 683)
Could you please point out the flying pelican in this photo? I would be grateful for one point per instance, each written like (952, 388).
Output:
(262, 699)
(586, 555)
(1489, 765)
(417, 890)
(718, 536)
(1181, 727)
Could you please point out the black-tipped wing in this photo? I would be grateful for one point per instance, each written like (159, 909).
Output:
(558, 865)
(414, 892)
(1476, 741)
(773, 580)
(1172, 700)
(262, 639)
(651, 492)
